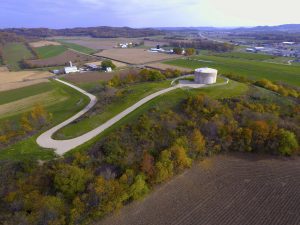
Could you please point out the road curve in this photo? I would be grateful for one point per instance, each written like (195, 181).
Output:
(45, 140)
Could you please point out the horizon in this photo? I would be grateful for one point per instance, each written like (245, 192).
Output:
(148, 14)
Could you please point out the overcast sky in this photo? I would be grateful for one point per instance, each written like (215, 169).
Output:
(147, 13)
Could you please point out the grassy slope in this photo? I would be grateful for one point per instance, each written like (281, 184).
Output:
(50, 51)
(134, 94)
(13, 53)
(17, 94)
(249, 68)
(28, 149)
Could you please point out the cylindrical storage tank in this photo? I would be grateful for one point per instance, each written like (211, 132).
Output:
(206, 76)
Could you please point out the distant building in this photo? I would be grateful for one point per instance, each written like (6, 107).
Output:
(71, 69)
(250, 50)
(108, 70)
(288, 43)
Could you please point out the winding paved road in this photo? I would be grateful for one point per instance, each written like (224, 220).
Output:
(45, 140)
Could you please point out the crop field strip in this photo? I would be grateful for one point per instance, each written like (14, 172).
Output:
(223, 194)
(13, 53)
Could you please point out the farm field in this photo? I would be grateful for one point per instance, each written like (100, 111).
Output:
(224, 189)
(61, 59)
(14, 80)
(14, 53)
(50, 51)
(248, 68)
(78, 48)
(108, 43)
(65, 96)
(43, 43)
(135, 56)
(162, 66)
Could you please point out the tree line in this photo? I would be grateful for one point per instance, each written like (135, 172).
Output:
(96, 32)
(203, 44)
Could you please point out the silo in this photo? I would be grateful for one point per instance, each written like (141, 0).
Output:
(206, 76)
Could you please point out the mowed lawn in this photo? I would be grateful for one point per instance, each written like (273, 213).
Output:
(60, 110)
(50, 51)
(249, 68)
(14, 53)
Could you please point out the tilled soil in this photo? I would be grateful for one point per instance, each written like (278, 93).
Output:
(225, 189)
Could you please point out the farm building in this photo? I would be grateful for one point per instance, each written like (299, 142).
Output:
(206, 76)
(71, 69)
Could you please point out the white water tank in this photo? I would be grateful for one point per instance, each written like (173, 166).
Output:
(206, 76)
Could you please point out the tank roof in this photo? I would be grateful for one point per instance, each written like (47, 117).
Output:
(206, 70)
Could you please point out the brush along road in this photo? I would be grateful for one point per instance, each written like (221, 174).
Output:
(45, 140)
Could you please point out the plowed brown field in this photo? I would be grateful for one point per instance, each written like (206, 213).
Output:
(228, 190)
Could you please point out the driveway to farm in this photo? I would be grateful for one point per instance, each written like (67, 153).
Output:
(45, 140)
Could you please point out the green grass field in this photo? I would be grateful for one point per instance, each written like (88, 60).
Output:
(28, 149)
(132, 94)
(50, 51)
(13, 53)
(17, 94)
(79, 48)
(248, 68)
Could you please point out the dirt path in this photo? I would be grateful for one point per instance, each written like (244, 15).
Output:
(45, 140)
(230, 190)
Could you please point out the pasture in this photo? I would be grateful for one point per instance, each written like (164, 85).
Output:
(135, 56)
(249, 68)
(14, 53)
(224, 189)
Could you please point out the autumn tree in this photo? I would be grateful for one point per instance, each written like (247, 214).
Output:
(197, 144)
(181, 160)
(147, 164)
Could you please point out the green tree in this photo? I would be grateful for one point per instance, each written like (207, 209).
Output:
(177, 51)
(139, 188)
(70, 180)
(190, 51)
(288, 143)
(164, 167)
(107, 63)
